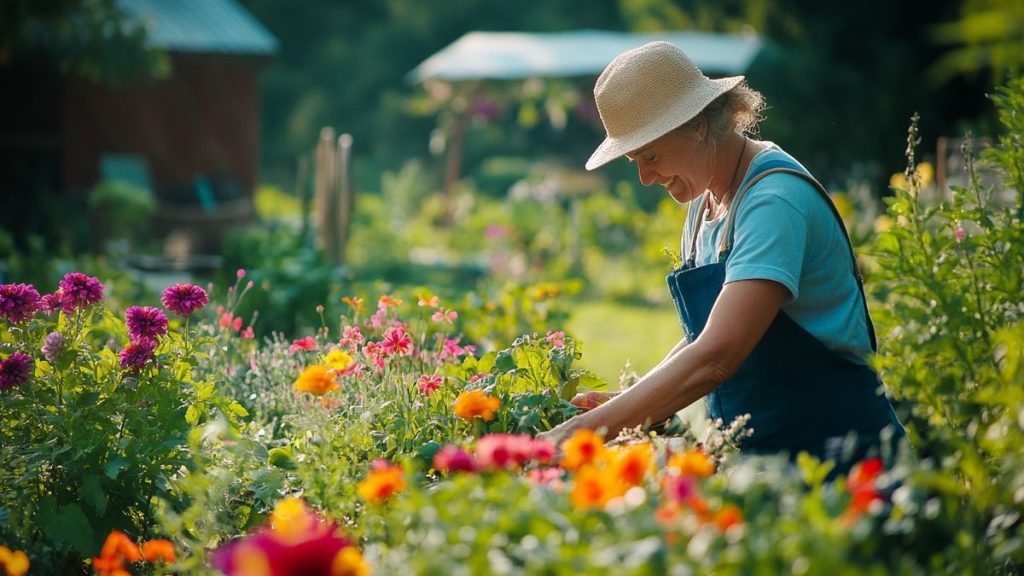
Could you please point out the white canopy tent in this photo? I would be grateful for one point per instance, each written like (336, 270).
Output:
(482, 56)
(516, 55)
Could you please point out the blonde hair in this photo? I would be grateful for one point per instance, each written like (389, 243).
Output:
(738, 110)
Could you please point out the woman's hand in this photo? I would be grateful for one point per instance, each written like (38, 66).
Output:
(592, 399)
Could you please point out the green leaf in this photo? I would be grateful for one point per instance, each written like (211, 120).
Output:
(281, 457)
(69, 526)
(91, 493)
(113, 468)
(504, 362)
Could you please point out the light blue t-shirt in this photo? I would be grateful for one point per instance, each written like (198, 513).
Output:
(786, 232)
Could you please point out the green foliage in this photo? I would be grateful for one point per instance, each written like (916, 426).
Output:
(88, 446)
(951, 343)
(94, 39)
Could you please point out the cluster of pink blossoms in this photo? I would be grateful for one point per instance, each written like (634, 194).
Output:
(495, 452)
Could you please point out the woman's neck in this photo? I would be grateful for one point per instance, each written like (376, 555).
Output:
(731, 164)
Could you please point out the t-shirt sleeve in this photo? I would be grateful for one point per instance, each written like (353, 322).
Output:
(770, 234)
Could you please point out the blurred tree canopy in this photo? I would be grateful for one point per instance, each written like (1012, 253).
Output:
(841, 79)
(92, 39)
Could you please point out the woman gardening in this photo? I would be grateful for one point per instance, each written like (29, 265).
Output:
(769, 297)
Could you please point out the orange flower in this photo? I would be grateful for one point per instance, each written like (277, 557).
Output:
(349, 562)
(117, 549)
(592, 488)
(729, 516)
(387, 301)
(631, 463)
(692, 463)
(154, 549)
(475, 403)
(383, 481)
(582, 448)
(355, 303)
(317, 379)
(13, 562)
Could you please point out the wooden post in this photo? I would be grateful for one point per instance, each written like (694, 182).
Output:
(302, 189)
(326, 230)
(345, 196)
(453, 165)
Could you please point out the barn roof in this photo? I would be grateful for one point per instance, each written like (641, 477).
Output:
(202, 26)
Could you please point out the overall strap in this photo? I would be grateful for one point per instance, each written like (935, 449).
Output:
(785, 167)
(691, 260)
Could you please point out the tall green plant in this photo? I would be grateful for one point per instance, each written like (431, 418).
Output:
(952, 342)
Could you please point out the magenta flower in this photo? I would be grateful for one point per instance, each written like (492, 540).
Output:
(184, 299)
(79, 291)
(396, 341)
(137, 354)
(444, 315)
(19, 302)
(451, 458)
(428, 384)
(680, 488)
(145, 322)
(52, 302)
(16, 370)
(53, 345)
(314, 551)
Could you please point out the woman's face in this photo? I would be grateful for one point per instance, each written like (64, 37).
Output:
(677, 161)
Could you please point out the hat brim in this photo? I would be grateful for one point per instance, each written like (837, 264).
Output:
(615, 147)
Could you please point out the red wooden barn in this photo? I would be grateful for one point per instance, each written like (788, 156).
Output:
(192, 138)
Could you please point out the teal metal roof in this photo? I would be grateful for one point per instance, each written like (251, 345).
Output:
(512, 55)
(202, 26)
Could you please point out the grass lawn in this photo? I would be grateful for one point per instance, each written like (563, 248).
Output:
(614, 333)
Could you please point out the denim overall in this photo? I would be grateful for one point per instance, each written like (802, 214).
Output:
(801, 396)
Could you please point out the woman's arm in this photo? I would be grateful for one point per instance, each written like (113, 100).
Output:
(739, 319)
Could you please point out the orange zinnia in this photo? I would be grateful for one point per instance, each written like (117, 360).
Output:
(383, 481)
(592, 488)
(317, 380)
(729, 516)
(475, 403)
(692, 463)
(154, 549)
(13, 562)
(631, 463)
(583, 447)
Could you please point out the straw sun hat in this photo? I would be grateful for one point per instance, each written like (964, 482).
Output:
(645, 93)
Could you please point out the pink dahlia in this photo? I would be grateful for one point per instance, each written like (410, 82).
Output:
(137, 354)
(145, 322)
(184, 299)
(79, 291)
(19, 302)
(16, 370)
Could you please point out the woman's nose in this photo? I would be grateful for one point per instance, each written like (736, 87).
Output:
(647, 175)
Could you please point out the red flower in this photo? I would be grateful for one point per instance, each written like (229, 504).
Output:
(396, 341)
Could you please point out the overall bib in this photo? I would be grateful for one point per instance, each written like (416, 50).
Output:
(801, 396)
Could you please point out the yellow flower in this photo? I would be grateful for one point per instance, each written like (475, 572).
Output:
(924, 173)
(475, 403)
(898, 181)
(349, 562)
(883, 223)
(692, 463)
(843, 206)
(383, 481)
(292, 520)
(338, 360)
(630, 463)
(14, 562)
(317, 380)
(582, 448)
